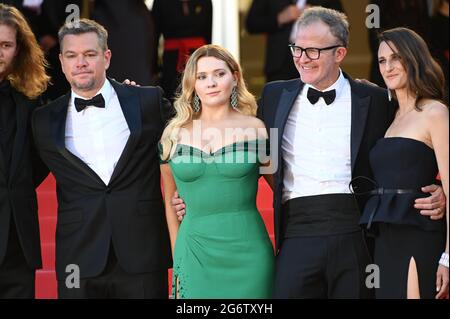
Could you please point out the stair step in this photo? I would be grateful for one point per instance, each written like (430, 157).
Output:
(46, 285)
(48, 255)
(47, 229)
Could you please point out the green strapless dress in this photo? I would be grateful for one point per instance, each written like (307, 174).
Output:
(222, 248)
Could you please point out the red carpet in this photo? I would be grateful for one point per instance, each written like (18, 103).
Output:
(46, 278)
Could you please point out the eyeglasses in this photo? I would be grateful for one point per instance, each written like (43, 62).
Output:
(311, 53)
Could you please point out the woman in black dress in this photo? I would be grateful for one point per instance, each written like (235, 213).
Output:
(411, 250)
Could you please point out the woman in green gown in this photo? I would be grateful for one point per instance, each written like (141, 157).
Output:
(212, 153)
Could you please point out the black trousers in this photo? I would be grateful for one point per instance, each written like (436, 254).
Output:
(115, 283)
(323, 267)
(17, 279)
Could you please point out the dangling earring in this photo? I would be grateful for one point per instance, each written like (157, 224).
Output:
(234, 98)
(389, 95)
(196, 103)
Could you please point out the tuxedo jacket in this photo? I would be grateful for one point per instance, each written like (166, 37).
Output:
(128, 212)
(371, 116)
(262, 18)
(18, 201)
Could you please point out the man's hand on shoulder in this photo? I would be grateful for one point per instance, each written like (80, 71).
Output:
(130, 82)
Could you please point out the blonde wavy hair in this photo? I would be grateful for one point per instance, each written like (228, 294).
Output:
(28, 74)
(184, 102)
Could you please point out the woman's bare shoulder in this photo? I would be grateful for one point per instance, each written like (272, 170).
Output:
(434, 109)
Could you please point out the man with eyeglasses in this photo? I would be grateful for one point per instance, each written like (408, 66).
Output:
(327, 124)
(276, 18)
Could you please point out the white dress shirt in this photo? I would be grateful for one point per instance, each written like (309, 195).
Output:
(316, 145)
(98, 136)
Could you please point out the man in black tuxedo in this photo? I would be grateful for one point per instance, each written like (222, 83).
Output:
(100, 142)
(276, 18)
(326, 124)
(20, 169)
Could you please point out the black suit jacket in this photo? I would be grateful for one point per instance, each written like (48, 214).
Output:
(17, 187)
(129, 211)
(262, 18)
(371, 116)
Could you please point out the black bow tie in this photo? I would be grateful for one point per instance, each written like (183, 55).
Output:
(328, 96)
(97, 101)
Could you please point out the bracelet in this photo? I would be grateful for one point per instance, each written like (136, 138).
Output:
(444, 260)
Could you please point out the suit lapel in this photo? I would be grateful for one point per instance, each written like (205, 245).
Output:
(130, 105)
(360, 110)
(284, 108)
(59, 117)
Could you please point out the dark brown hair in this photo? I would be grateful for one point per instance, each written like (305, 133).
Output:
(425, 76)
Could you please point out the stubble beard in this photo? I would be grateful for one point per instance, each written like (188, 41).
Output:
(88, 86)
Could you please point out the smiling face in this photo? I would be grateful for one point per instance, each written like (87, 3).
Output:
(321, 73)
(391, 67)
(84, 63)
(214, 82)
(8, 49)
